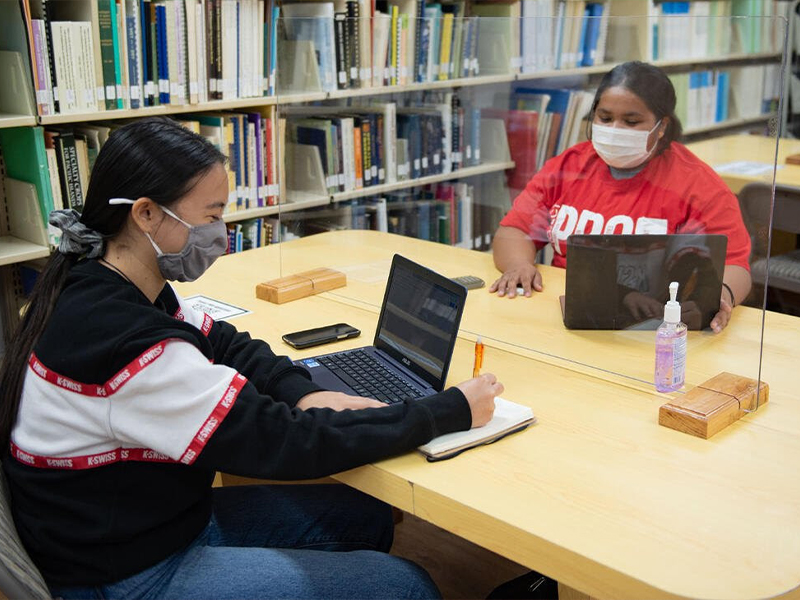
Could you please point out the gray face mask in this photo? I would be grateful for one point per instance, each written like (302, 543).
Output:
(206, 243)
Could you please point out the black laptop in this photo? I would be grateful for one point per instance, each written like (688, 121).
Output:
(413, 344)
(610, 278)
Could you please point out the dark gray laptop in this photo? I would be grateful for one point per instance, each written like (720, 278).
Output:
(413, 345)
(613, 281)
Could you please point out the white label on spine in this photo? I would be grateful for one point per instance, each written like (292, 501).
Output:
(469, 151)
(340, 179)
(111, 93)
(386, 72)
(55, 94)
(41, 96)
(135, 95)
(193, 88)
(381, 174)
(374, 171)
(70, 96)
(353, 73)
(125, 92)
(212, 84)
(99, 93)
(88, 97)
(253, 195)
(436, 159)
(149, 88)
(457, 157)
(477, 153)
(424, 162)
(262, 191)
(416, 163)
(119, 90)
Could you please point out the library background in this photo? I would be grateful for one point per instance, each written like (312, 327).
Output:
(412, 117)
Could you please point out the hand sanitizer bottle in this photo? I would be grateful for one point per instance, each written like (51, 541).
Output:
(671, 346)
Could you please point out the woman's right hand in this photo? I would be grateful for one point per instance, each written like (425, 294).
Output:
(524, 275)
(480, 393)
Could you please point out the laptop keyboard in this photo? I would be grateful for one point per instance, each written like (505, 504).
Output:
(368, 377)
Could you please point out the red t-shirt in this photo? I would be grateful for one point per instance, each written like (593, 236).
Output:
(676, 192)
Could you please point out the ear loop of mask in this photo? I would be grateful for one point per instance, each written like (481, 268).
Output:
(159, 252)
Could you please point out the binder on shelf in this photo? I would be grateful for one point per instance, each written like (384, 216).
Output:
(28, 162)
(24, 214)
(307, 177)
(16, 94)
(298, 70)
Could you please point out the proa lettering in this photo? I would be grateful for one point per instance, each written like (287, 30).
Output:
(69, 384)
(227, 400)
(119, 379)
(151, 355)
(566, 220)
(25, 457)
(207, 429)
(40, 370)
(102, 459)
(59, 462)
(207, 322)
(188, 457)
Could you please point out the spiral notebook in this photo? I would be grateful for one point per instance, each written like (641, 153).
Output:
(509, 417)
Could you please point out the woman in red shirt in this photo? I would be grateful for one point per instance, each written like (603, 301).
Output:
(631, 177)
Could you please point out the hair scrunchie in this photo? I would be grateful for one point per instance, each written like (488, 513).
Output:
(76, 238)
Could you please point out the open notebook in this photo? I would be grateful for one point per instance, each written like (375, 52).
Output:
(509, 417)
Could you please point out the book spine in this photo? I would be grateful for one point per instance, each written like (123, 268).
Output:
(420, 26)
(380, 144)
(366, 151)
(358, 154)
(340, 33)
(48, 30)
(133, 56)
(354, 42)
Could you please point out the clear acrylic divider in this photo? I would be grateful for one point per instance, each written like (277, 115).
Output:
(421, 143)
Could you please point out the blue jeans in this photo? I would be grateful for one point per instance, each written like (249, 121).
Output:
(281, 541)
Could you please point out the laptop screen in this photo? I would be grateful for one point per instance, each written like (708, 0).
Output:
(419, 320)
(622, 281)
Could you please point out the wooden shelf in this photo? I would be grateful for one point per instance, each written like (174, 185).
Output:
(265, 211)
(489, 167)
(166, 109)
(730, 59)
(14, 250)
(729, 124)
(304, 97)
(7, 120)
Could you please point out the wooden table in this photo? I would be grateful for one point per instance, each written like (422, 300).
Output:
(730, 148)
(597, 494)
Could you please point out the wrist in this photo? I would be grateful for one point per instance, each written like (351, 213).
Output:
(725, 286)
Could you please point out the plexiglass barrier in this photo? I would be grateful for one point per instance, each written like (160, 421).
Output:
(591, 159)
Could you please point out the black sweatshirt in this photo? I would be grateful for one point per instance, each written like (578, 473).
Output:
(129, 408)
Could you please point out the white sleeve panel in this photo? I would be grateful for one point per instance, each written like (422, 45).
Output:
(175, 404)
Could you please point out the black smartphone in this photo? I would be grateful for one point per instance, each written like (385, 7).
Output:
(320, 335)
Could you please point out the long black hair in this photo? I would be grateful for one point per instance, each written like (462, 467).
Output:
(155, 158)
(654, 88)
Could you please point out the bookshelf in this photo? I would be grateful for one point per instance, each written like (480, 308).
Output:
(508, 61)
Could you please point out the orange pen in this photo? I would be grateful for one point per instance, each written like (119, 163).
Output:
(476, 369)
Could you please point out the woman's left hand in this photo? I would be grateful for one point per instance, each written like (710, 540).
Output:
(721, 319)
(337, 401)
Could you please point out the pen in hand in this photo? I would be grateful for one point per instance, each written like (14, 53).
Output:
(476, 368)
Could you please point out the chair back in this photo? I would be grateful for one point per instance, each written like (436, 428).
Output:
(755, 200)
(19, 577)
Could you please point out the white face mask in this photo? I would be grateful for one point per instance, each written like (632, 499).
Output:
(622, 148)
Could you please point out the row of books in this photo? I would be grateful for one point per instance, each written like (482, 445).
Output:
(253, 233)
(541, 123)
(380, 142)
(94, 55)
(447, 213)
(706, 97)
(59, 160)
(683, 30)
